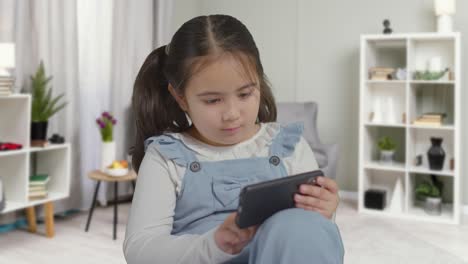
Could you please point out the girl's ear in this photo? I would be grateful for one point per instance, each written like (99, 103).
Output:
(179, 98)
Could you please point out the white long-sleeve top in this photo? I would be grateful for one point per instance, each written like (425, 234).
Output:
(148, 237)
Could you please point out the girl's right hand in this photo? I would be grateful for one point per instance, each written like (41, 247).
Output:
(230, 238)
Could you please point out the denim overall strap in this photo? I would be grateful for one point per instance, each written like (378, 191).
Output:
(173, 149)
(285, 141)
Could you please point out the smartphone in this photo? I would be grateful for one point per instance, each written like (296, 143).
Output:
(259, 201)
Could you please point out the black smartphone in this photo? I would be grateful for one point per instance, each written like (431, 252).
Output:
(259, 201)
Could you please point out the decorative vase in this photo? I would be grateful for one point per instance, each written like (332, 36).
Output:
(377, 107)
(436, 154)
(433, 205)
(387, 156)
(390, 116)
(397, 202)
(107, 154)
(39, 130)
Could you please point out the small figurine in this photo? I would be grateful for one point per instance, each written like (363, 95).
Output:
(387, 29)
(57, 139)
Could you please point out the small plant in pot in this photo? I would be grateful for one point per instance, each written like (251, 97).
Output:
(387, 149)
(431, 192)
(43, 105)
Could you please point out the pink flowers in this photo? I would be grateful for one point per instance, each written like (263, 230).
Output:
(106, 123)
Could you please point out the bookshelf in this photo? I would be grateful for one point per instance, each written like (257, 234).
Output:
(402, 101)
(17, 165)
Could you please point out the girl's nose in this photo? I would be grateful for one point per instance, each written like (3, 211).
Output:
(231, 113)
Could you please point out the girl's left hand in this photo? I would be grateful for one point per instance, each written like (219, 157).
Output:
(323, 199)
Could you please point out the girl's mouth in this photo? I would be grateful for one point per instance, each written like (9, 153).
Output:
(231, 130)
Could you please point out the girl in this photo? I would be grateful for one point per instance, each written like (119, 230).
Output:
(205, 128)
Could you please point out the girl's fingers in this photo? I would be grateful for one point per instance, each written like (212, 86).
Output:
(241, 234)
(328, 184)
(305, 207)
(312, 201)
(316, 191)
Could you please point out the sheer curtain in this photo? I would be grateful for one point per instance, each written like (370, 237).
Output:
(124, 33)
(93, 50)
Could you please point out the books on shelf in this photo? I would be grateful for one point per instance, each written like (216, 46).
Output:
(38, 179)
(430, 119)
(37, 194)
(38, 186)
(6, 85)
(381, 73)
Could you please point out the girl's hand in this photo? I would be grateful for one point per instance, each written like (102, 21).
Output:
(230, 238)
(323, 198)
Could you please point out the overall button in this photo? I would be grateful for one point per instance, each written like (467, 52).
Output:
(275, 160)
(195, 166)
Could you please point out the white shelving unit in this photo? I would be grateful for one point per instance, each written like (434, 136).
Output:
(409, 99)
(17, 165)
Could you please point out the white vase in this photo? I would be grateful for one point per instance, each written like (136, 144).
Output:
(107, 154)
(397, 202)
(377, 107)
(387, 156)
(391, 119)
(433, 205)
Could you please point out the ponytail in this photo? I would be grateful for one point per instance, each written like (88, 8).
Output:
(154, 108)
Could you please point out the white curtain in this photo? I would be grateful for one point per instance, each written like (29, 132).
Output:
(94, 36)
(93, 50)
(119, 35)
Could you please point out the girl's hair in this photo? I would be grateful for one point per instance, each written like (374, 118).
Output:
(155, 110)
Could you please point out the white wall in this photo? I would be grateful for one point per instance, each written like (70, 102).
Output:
(310, 51)
(276, 41)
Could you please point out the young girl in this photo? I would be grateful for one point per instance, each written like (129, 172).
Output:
(205, 128)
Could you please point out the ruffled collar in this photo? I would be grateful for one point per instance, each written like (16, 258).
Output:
(249, 147)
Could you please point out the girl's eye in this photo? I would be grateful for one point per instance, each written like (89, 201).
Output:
(212, 101)
(245, 95)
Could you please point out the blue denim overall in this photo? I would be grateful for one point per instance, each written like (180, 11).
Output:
(210, 191)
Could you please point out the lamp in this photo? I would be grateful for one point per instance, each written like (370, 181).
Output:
(7, 58)
(444, 9)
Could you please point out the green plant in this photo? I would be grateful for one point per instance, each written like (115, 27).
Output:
(43, 105)
(430, 188)
(428, 75)
(386, 143)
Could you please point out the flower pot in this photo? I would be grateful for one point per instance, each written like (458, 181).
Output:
(387, 156)
(39, 130)
(107, 154)
(433, 205)
(436, 154)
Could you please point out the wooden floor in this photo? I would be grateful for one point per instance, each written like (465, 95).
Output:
(71, 243)
(367, 239)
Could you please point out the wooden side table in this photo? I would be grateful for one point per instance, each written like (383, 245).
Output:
(100, 176)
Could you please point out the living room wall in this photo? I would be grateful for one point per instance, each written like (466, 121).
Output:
(310, 51)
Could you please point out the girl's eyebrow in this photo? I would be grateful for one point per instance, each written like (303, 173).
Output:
(248, 85)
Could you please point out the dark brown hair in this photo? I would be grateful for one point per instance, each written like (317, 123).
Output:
(155, 110)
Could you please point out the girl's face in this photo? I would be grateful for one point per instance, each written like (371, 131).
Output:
(222, 102)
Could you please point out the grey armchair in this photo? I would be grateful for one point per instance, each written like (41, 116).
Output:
(326, 154)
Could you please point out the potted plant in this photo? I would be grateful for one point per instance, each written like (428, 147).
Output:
(43, 105)
(387, 149)
(431, 192)
(106, 123)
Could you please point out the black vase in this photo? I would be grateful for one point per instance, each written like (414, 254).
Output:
(39, 130)
(436, 154)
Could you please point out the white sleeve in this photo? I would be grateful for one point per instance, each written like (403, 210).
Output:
(302, 160)
(148, 237)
